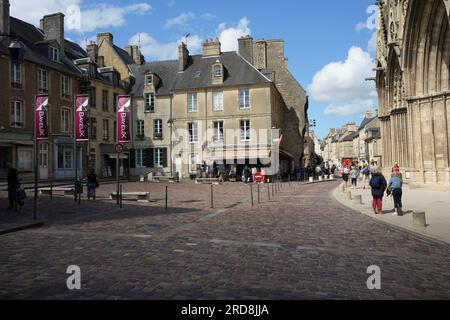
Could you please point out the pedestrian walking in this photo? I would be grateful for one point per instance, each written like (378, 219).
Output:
(395, 186)
(92, 184)
(16, 194)
(366, 176)
(345, 176)
(354, 174)
(396, 168)
(378, 184)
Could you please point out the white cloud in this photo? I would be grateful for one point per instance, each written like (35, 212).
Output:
(361, 26)
(180, 20)
(343, 86)
(372, 45)
(155, 50)
(93, 17)
(229, 36)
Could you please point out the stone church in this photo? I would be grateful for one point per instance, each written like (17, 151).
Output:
(413, 84)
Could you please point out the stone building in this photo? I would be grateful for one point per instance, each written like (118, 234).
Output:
(105, 85)
(413, 54)
(197, 100)
(269, 57)
(47, 68)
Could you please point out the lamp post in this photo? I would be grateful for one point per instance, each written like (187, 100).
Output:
(170, 125)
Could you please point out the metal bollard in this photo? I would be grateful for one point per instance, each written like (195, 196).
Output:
(273, 191)
(167, 198)
(120, 197)
(259, 196)
(419, 220)
(268, 189)
(51, 189)
(212, 197)
(251, 194)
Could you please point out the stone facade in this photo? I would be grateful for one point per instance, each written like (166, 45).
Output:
(269, 57)
(413, 86)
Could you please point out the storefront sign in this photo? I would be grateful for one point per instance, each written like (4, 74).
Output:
(41, 117)
(124, 119)
(82, 117)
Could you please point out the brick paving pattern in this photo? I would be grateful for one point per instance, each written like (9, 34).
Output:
(300, 245)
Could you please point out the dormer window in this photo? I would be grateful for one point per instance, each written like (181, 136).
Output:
(149, 79)
(54, 54)
(217, 73)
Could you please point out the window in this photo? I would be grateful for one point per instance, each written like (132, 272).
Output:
(65, 86)
(65, 120)
(140, 158)
(244, 99)
(245, 130)
(149, 102)
(93, 128)
(93, 97)
(115, 101)
(193, 132)
(218, 131)
(25, 159)
(158, 129)
(192, 102)
(158, 158)
(105, 100)
(218, 101)
(105, 130)
(141, 128)
(54, 54)
(17, 114)
(65, 157)
(148, 80)
(218, 71)
(16, 75)
(43, 80)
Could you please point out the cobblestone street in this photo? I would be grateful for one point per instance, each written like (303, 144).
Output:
(300, 245)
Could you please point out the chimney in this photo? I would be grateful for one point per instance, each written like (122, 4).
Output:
(246, 48)
(92, 51)
(183, 56)
(369, 114)
(53, 26)
(350, 127)
(212, 48)
(4, 18)
(135, 54)
(105, 36)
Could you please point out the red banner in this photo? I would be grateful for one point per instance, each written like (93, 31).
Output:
(41, 117)
(124, 119)
(81, 117)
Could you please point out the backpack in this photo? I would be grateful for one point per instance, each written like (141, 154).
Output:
(366, 171)
(377, 182)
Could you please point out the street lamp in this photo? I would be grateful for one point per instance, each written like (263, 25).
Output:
(170, 125)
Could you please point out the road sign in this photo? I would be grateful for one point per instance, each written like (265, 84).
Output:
(119, 148)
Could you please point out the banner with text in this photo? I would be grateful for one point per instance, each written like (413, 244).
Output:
(81, 117)
(124, 119)
(41, 117)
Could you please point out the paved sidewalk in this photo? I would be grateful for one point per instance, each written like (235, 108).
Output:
(436, 205)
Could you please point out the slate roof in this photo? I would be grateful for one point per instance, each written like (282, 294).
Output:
(36, 47)
(166, 70)
(123, 55)
(197, 75)
(350, 137)
(365, 122)
(236, 72)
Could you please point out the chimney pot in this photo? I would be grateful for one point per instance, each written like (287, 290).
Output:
(4, 17)
(53, 27)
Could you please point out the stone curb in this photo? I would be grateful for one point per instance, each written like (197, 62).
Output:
(334, 194)
(22, 227)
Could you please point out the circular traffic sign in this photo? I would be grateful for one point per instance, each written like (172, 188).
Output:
(119, 148)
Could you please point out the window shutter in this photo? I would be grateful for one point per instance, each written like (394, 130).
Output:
(149, 159)
(164, 155)
(133, 158)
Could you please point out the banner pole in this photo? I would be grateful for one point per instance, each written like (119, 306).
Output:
(36, 167)
(75, 148)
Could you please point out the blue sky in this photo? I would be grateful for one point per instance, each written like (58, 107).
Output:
(327, 41)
